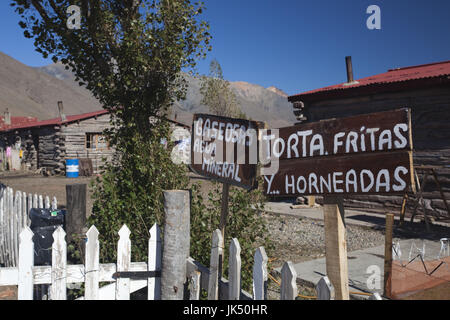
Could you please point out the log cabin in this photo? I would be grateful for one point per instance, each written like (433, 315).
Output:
(46, 144)
(425, 89)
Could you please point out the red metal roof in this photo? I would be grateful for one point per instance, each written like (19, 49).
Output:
(17, 121)
(400, 78)
(49, 122)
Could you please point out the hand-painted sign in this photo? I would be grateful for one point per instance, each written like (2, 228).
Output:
(225, 149)
(356, 155)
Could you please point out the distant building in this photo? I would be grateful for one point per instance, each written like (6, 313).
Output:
(424, 88)
(46, 144)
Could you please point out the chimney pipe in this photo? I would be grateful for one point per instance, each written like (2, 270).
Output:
(7, 117)
(348, 62)
(61, 111)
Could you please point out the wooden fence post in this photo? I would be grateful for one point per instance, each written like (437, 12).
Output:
(194, 285)
(215, 265)
(123, 263)
(289, 289)
(59, 265)
(388, 254)
(25, 265)
(154, 263)
(176, 244)
(336, 246)
(260, 274)
(324, 289)
(47, 202)
(92, 264)
(76, 209)
(234, 270)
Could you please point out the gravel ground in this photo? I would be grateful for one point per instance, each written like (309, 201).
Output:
(299, 239)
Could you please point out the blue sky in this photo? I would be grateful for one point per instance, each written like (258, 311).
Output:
(299, 45)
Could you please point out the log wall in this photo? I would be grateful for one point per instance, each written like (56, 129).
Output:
(430, 113)
(74, 137)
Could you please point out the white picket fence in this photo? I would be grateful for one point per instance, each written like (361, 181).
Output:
(219, 288)
(199, 277)
(14, 209)
(59, 274)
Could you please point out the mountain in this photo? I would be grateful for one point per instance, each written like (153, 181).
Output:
(28, 91)
(278, 91)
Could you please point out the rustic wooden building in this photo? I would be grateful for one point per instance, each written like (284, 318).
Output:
(425, 89)
(46, 144)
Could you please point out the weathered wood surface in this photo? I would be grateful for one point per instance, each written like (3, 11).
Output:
(92, 264)
(289, 289)
(367, 173)
(154, 262)
(234, 270)
(59, 264)
(375, 132)
(215, 265)
(14, 216)
(176, 244)
(76, 209)
(123, 263)
(336, 246)
(225, 149)
(25, 265)
(431, 135)
(260, 274)
(324, 289)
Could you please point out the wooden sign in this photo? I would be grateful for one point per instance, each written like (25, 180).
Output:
(225, 149)
(364, 154)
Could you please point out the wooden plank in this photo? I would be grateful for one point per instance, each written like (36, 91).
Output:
(176, 244)
(375, 132)
(92, 264)
(76, 209)
(289, 289)
(215, 265)
(25, 265)
(47, 202)
(54, 203)
(388, 254)
(59, 264)
(368, 173)
(260, 275)
(225, 149)
(154, 262)
(234, 270)
(336, 246)
(25, 217)
(123, 263)
(224, 208)
(324, 289)
(194, 285)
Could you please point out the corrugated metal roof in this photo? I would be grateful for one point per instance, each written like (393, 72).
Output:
(16, 121)
(54, 121)
(403, 76)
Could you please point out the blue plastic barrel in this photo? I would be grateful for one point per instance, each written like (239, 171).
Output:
(72, 168)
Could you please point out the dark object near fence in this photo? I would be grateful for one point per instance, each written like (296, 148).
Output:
(43, 223)
(86, 168)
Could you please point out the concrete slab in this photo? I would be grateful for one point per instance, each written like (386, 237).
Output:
(359, 261)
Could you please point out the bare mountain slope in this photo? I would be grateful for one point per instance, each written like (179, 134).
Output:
(27, 91)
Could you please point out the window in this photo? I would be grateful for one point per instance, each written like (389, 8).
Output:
(96, 141)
